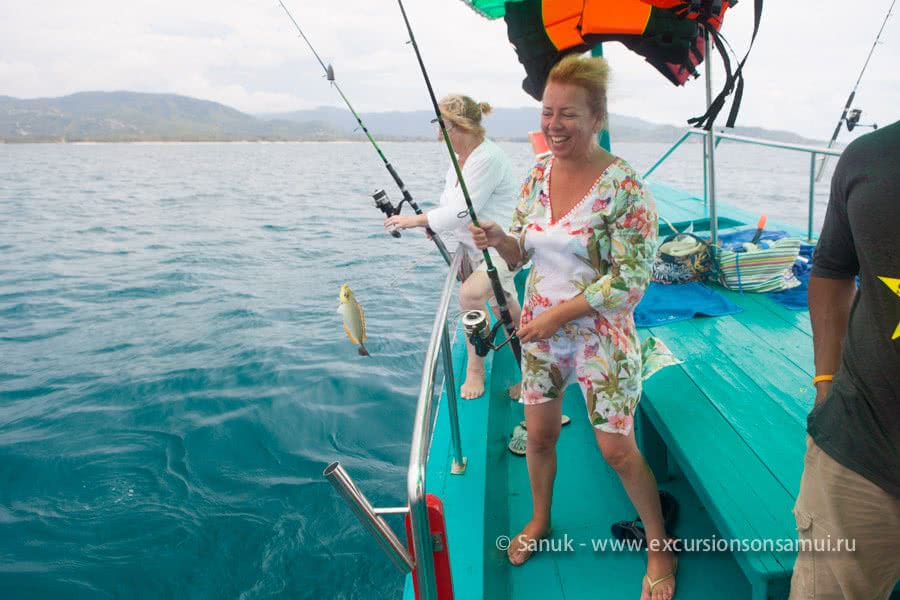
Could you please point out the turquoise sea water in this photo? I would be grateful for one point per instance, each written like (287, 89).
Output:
(174, 375)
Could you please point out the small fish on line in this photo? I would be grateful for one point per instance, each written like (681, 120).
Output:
(354, 319)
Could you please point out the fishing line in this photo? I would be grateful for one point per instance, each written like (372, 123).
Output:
(382, 202)
(499, 294)
(837, 128)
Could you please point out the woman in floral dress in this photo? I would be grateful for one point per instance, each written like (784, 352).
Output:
(590, 229)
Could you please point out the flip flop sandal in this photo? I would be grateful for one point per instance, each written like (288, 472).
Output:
(518, 440)
(652, 583)
(563, 422)
(669, 510)
(630, 530)
(634, 530)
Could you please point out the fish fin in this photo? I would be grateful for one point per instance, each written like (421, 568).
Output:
(363, 351)
(350, 335)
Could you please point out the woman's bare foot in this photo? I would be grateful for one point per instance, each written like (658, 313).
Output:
(473, 387)
(515, 391)
(659, 582)
(523, 545)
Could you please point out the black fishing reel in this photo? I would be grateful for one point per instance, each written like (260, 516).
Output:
(853, 117)
(477, 328)
(383, 203)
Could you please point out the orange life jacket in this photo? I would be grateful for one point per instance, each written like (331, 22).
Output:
(669, 34)
(569, 22)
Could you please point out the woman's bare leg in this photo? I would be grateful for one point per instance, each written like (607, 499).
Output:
(543, 421)
(622, 454)
(473, 295)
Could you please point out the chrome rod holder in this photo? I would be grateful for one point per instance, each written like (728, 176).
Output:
(368, 516)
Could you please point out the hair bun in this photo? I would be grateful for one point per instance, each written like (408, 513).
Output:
(485, 108)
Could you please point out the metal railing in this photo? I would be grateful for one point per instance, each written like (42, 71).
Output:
(422, 431)
(814, 155)
(421, 561)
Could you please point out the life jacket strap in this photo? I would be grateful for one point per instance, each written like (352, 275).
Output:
(734, 82)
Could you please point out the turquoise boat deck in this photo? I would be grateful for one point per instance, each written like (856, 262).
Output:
(724, 432)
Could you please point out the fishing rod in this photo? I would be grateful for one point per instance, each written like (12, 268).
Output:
(382, 202)
(499, 294)
(854, 114)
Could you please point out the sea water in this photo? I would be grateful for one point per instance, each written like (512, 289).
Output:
(174, 375)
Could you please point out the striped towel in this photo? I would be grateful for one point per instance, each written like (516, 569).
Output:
(763, 270)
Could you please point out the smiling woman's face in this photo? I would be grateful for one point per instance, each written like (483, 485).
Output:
(567, 121)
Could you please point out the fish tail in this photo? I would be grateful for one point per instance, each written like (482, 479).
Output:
(363, 351)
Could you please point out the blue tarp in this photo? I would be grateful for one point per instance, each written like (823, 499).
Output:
(663, 304)
(728, 240)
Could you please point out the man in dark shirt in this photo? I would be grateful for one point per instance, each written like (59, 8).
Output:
(850, 487)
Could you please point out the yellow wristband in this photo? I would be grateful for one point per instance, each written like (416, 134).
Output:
(821, 378)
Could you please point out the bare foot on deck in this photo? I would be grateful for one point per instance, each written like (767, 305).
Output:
(474, 384)
(523, 545)
(515, 391)
(659, 582)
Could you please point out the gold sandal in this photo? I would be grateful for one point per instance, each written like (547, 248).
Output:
(652, 583)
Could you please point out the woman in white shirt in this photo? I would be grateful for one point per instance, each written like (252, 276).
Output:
(493, 190)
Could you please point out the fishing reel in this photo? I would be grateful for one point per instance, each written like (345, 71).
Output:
(479, 332)
(383, 203)
(853, 117)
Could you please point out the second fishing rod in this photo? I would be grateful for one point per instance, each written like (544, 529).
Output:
(381, 200)
(499, 294)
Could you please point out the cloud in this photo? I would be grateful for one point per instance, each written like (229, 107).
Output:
(248, 55)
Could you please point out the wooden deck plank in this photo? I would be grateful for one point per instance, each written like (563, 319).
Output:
(796, 318)
(763, 425)
(736, 487)
(791, 342)
(680, 206)
(463, 495)
(786, 384)
(677, 205)
(589, 574)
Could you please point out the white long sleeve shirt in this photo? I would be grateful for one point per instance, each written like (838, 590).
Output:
(493, 189)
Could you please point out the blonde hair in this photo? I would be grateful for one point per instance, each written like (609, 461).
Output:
(464, 112)
(590, 74)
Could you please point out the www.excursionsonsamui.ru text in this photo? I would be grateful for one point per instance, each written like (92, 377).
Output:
(567, 543)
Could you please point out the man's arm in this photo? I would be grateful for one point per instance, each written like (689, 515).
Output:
(829, 313)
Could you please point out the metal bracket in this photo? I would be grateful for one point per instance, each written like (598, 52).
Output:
(459, 469)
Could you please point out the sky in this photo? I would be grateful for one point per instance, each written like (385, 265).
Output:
(247, 54)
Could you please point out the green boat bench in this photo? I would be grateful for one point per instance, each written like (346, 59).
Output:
(731, 420)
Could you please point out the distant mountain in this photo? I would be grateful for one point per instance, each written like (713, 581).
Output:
(131, 116)
(504, 124)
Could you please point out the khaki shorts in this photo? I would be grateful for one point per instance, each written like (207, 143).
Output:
(837, 504)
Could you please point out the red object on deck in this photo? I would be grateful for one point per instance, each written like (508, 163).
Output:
(441, 555)
(538, 143)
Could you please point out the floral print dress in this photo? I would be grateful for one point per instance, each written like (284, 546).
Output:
(604, 248)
